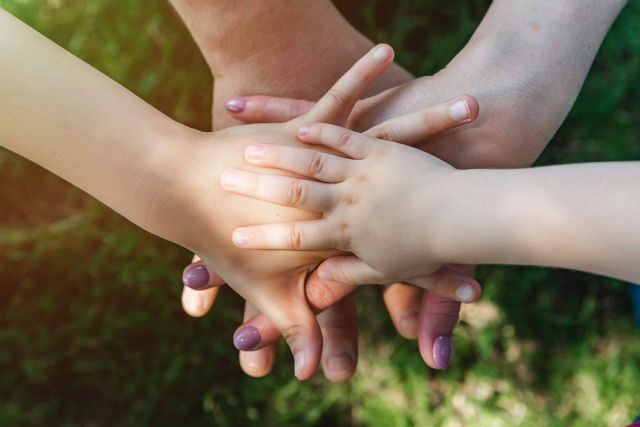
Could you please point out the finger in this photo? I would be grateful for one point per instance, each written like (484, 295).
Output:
(259, 331)
(349, 269)
(438, 318)
(201, 287)
(450, 284)
(303, 235)
(282, 190)
(254, 363)
(335, 106)
(420, 125)
(198, 276)
(403, 303)
(267, 109)
(353, 144)
(309, 163)
(323, 293)
(198, 303)
(299, 327)
(339, 326)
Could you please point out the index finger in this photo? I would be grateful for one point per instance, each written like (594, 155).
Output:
(337, 103)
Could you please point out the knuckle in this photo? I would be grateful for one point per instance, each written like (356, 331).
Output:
(385, 133)
(297, 193)
(338, 326)
(295, 109)
(294, 238)
(349, 199)
(316, 164)
(293, 333)
(338, 98)
(344, 138)
(343, 236)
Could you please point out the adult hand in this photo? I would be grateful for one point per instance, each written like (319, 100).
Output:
(448, 286)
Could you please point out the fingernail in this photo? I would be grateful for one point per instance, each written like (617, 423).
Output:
(340, 362)
(303, 131)
(254, 152)
(464, 293)
(442, 352)
(235, 105)
(299, 359)
(247, 338)
(460, 111)
(380, 53)
(240, 237)
(196, 277)
(230, 180)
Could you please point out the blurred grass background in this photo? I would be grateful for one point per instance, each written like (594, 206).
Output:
(91, 330)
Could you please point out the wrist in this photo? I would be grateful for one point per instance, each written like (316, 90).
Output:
(161, 201)
(469, 218)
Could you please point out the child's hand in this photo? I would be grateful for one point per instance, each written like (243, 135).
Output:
(375, 204)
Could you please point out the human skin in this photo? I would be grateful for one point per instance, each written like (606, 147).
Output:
(167, 181)
(269, 49)
(527, 59)
(475, 216)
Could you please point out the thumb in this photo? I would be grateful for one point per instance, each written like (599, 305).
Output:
(438, 318)
(300, 329)
(292, 316)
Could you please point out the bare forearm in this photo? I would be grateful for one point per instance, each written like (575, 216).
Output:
(525, 64)
(544, 50)
(584, 217)
(294, 49)
(76, 122)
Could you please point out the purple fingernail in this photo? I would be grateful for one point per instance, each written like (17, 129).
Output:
(442, 352)
(247, 338)
(235, 105)
(196, 277)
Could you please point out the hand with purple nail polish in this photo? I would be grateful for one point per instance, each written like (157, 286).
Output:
(272, 281)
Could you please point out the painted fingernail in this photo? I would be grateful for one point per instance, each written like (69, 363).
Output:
(380, 53)
(196, 277)
(340, 362)
(240, 237)
(235, 105)
(254, 152)
(299, 360)
(460, 111)
(442, 352)
(464, 293)
(247, 338)
(303, 131)
(230, 180)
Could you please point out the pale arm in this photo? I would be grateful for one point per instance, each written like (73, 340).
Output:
(525, 64)
(583, 217)
(79, 124)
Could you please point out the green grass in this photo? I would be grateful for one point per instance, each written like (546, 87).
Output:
(92, 334)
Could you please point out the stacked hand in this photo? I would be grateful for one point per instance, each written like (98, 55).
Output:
(448, 287)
